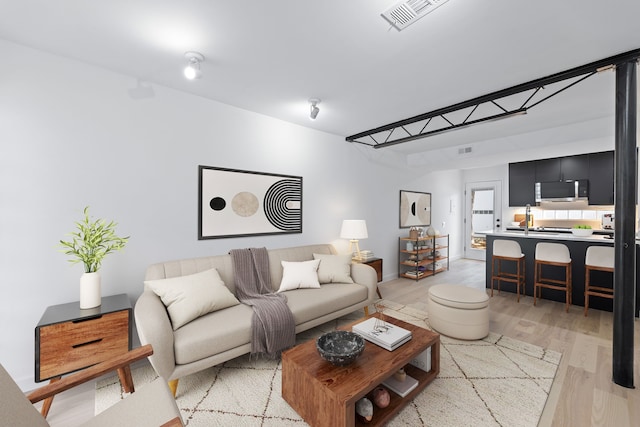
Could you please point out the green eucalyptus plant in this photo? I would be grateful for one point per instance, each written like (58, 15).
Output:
(92, 242)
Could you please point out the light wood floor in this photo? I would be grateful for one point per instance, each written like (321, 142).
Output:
(583, 393)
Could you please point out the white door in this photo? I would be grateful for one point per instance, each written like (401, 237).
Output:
(483, 207)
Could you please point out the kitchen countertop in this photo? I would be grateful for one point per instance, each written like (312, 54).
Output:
(553, 235)
(565, 230)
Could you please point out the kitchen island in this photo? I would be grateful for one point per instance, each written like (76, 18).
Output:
(577, 248)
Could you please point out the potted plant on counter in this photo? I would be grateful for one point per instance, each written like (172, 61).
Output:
(90, 244)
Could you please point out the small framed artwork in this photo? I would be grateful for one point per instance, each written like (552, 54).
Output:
(237, 203)
(415, 209)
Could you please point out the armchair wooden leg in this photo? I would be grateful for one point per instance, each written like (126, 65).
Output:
(173, 386)
(176, 422)
(126, 381)
(46, 404)
(366, 311)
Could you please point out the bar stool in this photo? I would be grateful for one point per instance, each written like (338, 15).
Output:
(509, 251)
(600, 258)
(557, 255)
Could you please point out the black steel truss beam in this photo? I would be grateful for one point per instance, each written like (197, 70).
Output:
(404, 135)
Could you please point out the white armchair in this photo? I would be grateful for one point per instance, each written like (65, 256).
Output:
(152, 406)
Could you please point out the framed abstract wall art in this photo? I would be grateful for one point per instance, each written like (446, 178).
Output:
(237, 203)
(415, 209)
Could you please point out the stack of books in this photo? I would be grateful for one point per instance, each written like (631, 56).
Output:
(402, 388)
(364, 255)
(388, 337)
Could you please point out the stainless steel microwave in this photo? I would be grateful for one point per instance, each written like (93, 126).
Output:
(562, 191)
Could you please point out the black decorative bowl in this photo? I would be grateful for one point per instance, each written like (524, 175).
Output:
(340, 348)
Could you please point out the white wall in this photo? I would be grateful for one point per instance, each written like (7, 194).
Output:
(446, 205)
(71, 137)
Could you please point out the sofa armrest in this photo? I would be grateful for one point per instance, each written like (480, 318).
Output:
(366, 275)
(154, 327)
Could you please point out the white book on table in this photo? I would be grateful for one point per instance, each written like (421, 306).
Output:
(402, 388)
(423, 360)
(390, 338)
(388, 347)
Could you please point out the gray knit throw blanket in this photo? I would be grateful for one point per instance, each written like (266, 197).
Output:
(272, 324)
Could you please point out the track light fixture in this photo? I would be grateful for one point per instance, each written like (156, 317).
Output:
(192, 70)
(313, 108)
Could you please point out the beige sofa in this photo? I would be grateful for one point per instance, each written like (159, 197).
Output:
(225, 334)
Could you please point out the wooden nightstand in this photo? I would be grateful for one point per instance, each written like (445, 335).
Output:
(69, 339)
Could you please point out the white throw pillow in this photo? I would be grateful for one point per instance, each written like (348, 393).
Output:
(334, 268)
(189, 297)
(297, 275)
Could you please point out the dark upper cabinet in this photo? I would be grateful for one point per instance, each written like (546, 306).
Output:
(547, 170)
(522, 179)
(601, 178)
(575, 167)
(596, 167)
(562, 168)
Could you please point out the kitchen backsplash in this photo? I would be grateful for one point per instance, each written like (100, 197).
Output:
(563, 218)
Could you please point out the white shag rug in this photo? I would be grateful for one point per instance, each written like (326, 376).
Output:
(496, 381)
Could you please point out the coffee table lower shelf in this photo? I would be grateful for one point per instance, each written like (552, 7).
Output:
(383, 415)
(325, 395)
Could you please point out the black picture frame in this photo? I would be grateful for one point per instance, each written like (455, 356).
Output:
(415, 209)
(239, 203)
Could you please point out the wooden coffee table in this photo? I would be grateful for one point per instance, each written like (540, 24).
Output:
(325, 395)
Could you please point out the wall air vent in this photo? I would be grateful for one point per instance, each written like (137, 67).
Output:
(405, 13)
(465, 150)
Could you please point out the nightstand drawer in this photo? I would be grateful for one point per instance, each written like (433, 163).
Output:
(68, 346)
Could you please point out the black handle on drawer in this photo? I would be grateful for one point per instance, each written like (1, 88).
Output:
(86, 319)
(86, 343)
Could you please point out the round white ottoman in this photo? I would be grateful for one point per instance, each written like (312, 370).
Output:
(458, 311)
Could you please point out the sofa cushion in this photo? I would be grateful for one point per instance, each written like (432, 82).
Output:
(334, 268)
(309, 304)
(189, 297)
(213, 333)
(294, 254)
(297, 275)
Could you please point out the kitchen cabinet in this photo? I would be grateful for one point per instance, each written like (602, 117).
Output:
(575, 167)
(522, 179)
(547, 170)
(601, 178)
(598, 168)
(562, 168)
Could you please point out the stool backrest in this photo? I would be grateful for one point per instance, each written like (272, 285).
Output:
(507, 248)
(553, 252)
(600, 256)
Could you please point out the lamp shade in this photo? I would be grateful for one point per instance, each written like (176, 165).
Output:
(354, 229)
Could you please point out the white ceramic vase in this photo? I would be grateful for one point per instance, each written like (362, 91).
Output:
(90, 292)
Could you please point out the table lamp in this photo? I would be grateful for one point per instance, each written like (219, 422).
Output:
(354, 229)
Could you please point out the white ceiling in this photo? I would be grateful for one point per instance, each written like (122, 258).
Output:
(272, 56)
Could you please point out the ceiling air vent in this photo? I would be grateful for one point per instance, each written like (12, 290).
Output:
(465, 150)
(405, 13)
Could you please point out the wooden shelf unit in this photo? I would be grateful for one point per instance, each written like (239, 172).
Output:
(422, 257)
